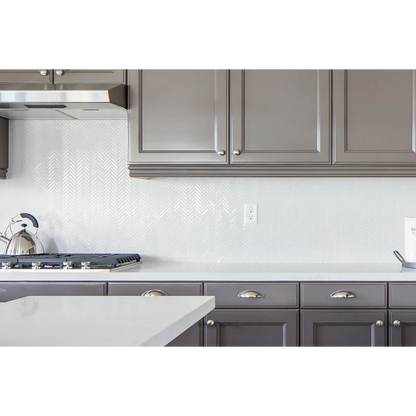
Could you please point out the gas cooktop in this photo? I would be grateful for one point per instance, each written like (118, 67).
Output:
(65, 261)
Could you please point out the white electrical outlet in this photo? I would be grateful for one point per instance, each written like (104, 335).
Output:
(250, 213)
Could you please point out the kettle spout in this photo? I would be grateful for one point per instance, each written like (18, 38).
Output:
(4, 239)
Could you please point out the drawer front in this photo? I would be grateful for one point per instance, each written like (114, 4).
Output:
(343, 295)
(402, 295)
(138, 289)
(242, 295)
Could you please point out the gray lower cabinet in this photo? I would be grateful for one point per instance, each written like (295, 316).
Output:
(252, 328)
(343, 328)
(15, 290)
(402, 327)
(402, 315)
(249, 314)
(193, 336)
(4, 147)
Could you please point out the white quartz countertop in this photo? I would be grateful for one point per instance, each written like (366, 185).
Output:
(99, 320)
(206, 272)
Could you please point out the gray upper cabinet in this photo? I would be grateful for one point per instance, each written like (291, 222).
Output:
(15, 76)
(4, 147)
(89, 76)
(374, 116)
(178, 116)
(63, 76)
(280, 116)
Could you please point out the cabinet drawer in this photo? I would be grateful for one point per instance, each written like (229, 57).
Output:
(402, 295)
(138, 289)
(242, 295)
(334, 295)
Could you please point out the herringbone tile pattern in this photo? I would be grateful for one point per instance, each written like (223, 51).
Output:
(73, 176)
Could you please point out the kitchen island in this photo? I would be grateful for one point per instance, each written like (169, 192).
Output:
(99, 321)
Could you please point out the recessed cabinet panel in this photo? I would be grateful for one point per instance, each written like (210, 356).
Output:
(252, 328)
(343, 328)
(374, 116)
(89, 76)
(280, 116)
(41, 76)
(402, 328)
(178, 116)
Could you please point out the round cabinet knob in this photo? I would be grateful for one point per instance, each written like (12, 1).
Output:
(44, 72)
(379, 323)
(210, 322)
(236, 152)
(59, 72)
(221, 152)
(396, 323)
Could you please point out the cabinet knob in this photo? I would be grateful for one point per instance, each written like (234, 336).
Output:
(396, 322)
(59, 72)
(210, 322)
(221, 152)
(236, 152)
(380, 323)
(44, 72)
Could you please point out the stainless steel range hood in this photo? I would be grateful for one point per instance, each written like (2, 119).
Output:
(63, 101)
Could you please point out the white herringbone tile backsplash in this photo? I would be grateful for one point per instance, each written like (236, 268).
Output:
(73, 176)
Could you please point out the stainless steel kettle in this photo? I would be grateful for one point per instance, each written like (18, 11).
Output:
(22, 242)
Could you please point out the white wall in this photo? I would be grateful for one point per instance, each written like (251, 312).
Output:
(73, 176)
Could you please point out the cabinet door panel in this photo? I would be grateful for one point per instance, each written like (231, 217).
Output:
(90, 76)
(25, 75)
(280, 116)
(342, 328)
(178, 116)
(403, 332)
(374, 116)
(252, 328)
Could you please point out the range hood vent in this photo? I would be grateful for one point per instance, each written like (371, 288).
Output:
(63, 101)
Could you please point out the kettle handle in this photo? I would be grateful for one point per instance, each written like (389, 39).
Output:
(31, 218)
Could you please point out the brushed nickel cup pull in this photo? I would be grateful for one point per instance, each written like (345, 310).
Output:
(236, 152)
(250, 294)
(343, 294)
(380, 323)
(221, 152)
(154, 292)
(44, 72)
(396, 322)
(210, 322)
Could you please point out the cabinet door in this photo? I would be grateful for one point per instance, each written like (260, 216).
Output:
(343, 328)
(374, 116)
(178, 116)
(252, 328)
(10, 291)
(402, 328)
(4, 147)
(193, 336)
(280, 116)
(89, 76)
(43, 76)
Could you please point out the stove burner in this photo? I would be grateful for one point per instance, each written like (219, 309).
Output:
(78, 261)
